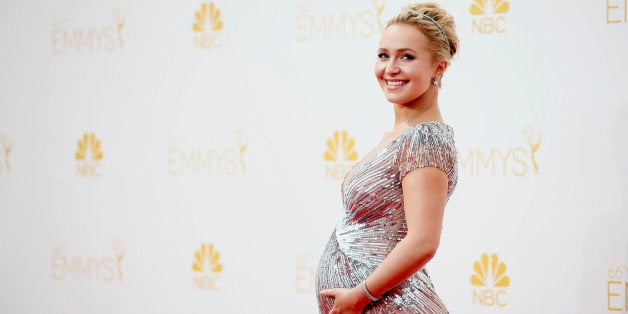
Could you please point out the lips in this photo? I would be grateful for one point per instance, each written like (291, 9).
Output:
(395, 83)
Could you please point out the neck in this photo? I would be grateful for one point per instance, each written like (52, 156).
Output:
(422, 109)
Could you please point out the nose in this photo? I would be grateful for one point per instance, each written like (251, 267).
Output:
(391, 67)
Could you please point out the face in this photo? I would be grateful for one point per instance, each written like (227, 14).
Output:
(405, 67)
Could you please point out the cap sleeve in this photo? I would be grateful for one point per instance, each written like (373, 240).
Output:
(429, 145)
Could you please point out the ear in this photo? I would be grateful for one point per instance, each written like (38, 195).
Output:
(440, 68)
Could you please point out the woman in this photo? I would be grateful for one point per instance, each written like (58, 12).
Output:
(395, 197)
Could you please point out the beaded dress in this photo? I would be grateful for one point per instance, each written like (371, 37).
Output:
(373, 220)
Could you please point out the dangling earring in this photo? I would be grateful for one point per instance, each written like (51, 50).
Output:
(435, 82)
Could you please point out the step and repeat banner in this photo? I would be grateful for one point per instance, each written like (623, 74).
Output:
(186, 156)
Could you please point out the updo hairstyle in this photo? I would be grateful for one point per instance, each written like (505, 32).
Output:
(443, 47)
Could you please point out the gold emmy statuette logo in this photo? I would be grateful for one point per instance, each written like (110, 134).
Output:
(216, 161)
(534, 141)
(340, 154)
(305, 274)
(105, 269)
(207, 26)
(516, 160)
(616, 11)
(88, 156)
(106, 38)
(242, 141)
(617, 289)
(490, 280)
(360, 23)
(489, 16)
(206, 267)
(5, 149)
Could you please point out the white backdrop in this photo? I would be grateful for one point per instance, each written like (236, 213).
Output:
(170, 157)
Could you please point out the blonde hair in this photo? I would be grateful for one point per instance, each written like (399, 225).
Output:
(435, 23)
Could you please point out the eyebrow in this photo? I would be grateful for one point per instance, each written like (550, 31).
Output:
(398, 50)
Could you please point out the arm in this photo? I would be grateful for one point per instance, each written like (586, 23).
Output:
(424, 197)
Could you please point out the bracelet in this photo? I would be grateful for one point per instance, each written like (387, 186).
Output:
(367, 293)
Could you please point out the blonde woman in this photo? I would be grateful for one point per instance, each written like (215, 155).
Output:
(394, 199)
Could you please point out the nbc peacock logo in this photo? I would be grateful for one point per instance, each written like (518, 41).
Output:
(340, 142)
(88, 156)
(207, 267)
(207, 26)
(489, 16)
(5, 149)
(340, 154)
(490, 281)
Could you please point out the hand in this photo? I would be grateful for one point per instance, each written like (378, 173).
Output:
(347, 301)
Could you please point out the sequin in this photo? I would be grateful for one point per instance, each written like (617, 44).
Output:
(373, 220)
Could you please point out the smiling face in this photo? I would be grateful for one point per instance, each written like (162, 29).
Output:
(405, 66)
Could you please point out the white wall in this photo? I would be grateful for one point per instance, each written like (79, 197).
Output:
(216, 139)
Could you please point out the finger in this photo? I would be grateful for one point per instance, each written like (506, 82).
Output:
(328, 292)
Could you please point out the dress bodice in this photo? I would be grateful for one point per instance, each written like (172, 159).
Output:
(372, 193)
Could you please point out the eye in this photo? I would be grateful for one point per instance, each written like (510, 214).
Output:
(406, 57)
(382, 56)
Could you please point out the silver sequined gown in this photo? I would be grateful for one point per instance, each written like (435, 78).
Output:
(373, 221)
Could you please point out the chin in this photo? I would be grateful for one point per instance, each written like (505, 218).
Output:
(403, 101)
(400, 100)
